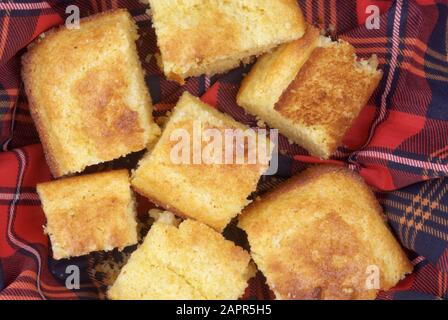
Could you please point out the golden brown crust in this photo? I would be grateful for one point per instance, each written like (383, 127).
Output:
(191, 261)
(329, 92)
(27, 65)
(274, 71)
(200, 45)
(87, 93)
(217, 36)
(211, 193)
(328, 229)
(311, 90)
(89, 213)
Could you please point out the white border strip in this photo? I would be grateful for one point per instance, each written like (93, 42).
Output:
(405, 161)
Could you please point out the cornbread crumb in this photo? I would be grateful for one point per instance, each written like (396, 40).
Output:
(261, 123)
(311, 90)
(166, 217)
(208, 37)
(210, 193)
(317, 235)
(191, 261)
(87, 93)
(148, 58)
(89, 213)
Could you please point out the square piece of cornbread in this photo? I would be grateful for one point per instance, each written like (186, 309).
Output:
(311, 90)
(87, 93)
(191, 261)
(212, 192)
(321, 235)
(207, 37)
(89, 213)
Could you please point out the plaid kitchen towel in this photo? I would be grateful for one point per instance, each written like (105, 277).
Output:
(399, 143)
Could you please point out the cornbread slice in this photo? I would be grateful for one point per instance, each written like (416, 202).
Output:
(211, 192)
(87, 93)
(89, 213)
(321, 235)
(191, 261)
(207, 37)
(311, 90)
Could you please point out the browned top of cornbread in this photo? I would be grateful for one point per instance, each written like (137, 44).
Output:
(89, 213)
(315, 236)
(87, 93)
(198, 36)
(210, 193)
(274, 72)
(329, 91)
(191, 261)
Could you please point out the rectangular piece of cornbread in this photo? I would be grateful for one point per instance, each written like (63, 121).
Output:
(321, 235)
(212, 192)
(191, 261)
(207, 37)
(89, 213)
(311, 90)
(87, 93)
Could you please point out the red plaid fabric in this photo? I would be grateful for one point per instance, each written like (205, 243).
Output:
(398, 144)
